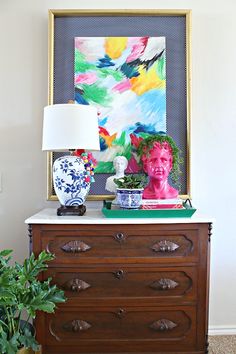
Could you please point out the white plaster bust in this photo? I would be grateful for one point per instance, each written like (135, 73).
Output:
(120, 163)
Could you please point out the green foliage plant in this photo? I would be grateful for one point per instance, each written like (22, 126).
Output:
(21, 295)
(131, 181)
(147, 144)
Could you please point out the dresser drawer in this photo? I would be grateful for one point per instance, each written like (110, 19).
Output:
(163, 328)
(131, 288)
(126, 242)
(124, 284)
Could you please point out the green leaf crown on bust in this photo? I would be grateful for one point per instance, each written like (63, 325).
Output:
(22, 294)
(131, 181)
(147, 144)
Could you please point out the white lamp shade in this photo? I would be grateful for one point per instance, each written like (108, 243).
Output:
(70, 126)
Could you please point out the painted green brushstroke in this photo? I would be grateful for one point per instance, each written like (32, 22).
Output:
(161, 68)
(144, 135)
(81, 65)
(121, 140)
(126, 147)
(95, 93)
(103, 73)
(104, 167)
(127, 152)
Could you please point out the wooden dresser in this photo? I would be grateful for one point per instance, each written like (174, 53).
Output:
(133, 285)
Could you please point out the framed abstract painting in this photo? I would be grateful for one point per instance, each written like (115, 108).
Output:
(134, 67)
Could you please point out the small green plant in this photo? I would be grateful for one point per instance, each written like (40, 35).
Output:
(21, 295)
(131, 181)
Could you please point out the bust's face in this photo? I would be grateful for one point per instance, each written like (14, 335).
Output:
(120, 165)
(159, 163)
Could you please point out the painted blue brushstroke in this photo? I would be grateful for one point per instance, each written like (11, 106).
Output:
(143, 128)
(153, 101)
(129, 71)
(151, 113)
(102, 122)
(161, 133)
(105, 62)
(103, 145)
(79, 99)
(153, 108)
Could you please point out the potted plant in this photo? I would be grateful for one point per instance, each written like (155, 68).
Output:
(130, 190)
(21, 295)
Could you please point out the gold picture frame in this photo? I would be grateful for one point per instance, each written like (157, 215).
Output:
(164, 18)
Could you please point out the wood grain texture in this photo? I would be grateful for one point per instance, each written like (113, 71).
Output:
(124, 290)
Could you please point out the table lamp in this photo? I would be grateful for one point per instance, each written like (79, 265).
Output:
(71, 127)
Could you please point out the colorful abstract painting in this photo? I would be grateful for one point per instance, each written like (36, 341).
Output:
(125, 79)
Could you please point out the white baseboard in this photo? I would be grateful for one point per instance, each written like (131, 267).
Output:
(221, 331)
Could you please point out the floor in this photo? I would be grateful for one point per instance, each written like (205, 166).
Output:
(222, 344)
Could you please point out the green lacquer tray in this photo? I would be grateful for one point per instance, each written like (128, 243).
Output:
(186, 212)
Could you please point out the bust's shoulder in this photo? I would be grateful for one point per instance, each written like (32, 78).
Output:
(110, 178)
(110, 184)
(172, 192)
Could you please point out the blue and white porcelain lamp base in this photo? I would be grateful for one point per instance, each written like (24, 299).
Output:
(71, 127)
(70, 184)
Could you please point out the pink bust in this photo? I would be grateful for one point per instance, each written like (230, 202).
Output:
(158, 164)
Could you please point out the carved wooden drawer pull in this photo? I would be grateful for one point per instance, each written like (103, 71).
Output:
(76, 285)
(76, 326)
(119, 274)
(120, 237)
(75, 247)
(163, 325)
(164, 284)
(165, 246)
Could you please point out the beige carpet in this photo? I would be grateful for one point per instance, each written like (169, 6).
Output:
(222, 344)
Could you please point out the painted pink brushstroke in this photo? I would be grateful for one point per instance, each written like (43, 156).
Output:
(133, 166)
(79, 42)
(122, 86)
(89, 78)
(137, 49)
